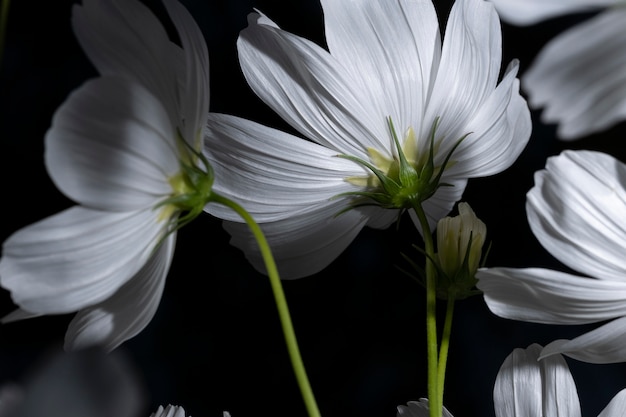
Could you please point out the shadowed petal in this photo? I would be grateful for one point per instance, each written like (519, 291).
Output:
(194, 100)
(126, 313)
(124, 38)
(303, 243)
(75, 258)
(418, 409)
(111, 146)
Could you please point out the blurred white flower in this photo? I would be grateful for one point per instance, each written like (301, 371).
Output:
(578, 77)
(385, 64)
(124, 147)
(577, 211)
(87, 383)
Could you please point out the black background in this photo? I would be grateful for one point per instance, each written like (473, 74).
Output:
(215, 343)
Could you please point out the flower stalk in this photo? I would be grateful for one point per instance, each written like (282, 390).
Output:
(281, 304)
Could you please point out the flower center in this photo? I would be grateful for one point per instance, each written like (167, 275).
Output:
(406, 179)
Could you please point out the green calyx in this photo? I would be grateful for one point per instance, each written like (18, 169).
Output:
(400, 183)
(460, 241)
(192, 190)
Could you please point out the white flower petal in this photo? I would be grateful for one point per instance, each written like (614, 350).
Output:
(111, 147)
(124, 38)
(578, 76)
(169, 411)
(606, 344)
(127, 312)
(528, 12)
(577, 210)
(616, 407)
(390, 48)
(271, 173)
(546, 296)
(303, 243)
(418, 409)
(75, 258)
(309, 89)
(498, 132)
(194, 103)
(527, 387)
(468, 72)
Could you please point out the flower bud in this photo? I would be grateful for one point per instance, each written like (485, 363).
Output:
(460, 241)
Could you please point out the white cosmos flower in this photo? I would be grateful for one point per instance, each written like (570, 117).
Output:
(529, 387)
(385, 61)
(118, 147)
(578, 76)
(577, 211)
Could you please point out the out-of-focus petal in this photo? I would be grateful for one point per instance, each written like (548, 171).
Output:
(124, 38)
(76, 258)
(391, 49)
(577, 210)
(468, 72)
(528, 12)
(303, 243)
(606, 344)
(111, 146)
(309, 89)
(498, 131)
(270, 173)
(126, 313)
(578, 77)
(418, 409)
(547, 296)
(527, 387)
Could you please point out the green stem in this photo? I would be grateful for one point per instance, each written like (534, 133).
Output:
(443, 350)
(281, 304)
(434, 404)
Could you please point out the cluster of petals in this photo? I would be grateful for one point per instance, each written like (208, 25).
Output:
(577, 211)
(112, 148)
(383, 60)
(578, 76)
(527, 386)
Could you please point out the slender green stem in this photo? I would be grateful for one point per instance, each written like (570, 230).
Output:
(434, 404)
(443, 349)
(281, 304)
(4, 14)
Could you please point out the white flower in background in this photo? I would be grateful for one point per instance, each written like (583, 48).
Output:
(578, 77)
(577, 211)
(526, 386)
(385, 74)
(169, 411)
(124, 147)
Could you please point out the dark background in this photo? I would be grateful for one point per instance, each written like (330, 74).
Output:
(215, 343)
